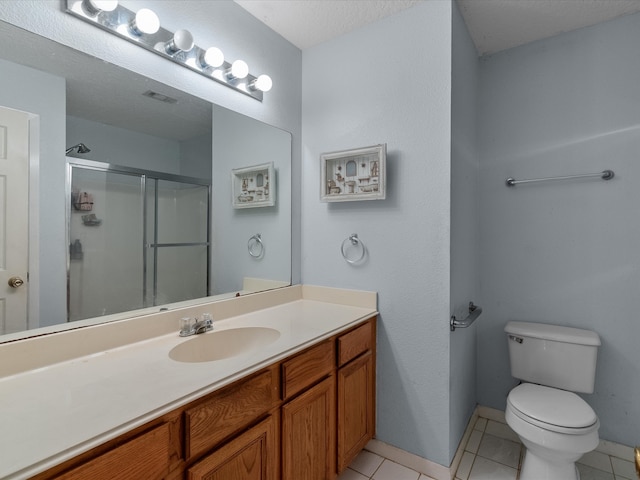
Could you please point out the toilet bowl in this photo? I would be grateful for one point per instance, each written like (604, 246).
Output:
(557, 427)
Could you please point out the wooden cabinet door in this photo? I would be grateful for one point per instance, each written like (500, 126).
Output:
(253, 455)
(147, 456)
(308, 434)
(356, 408)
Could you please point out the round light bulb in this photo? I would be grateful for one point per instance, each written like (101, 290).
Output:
(146, 21)
(182, 41)
(239, 69)
(213, 57)
(263, 83)
(96, 6)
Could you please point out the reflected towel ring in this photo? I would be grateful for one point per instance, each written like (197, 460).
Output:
(255, 246)
(354, 240)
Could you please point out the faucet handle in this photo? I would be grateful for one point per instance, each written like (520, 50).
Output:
(186, 326)
(207, 319)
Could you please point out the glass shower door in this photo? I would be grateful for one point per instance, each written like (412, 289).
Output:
(105, 239)
(177, 256)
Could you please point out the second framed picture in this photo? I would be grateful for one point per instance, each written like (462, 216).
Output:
(357, 174)
(253, 186)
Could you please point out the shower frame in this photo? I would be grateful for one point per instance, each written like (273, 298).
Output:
(144, 175)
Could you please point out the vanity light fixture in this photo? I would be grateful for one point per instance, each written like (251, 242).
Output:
(262, 83)
(182, 41)
(239, 70)
(143, 28)
(211, 57)
(145, 21)
(94, 7)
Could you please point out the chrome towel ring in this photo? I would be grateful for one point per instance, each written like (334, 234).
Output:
(354, 241)
(255, 246)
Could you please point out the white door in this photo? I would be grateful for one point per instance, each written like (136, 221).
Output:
(14, 219)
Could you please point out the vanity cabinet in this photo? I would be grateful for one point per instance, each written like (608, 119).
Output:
(302, 418)
(356, 409)
(252, 455)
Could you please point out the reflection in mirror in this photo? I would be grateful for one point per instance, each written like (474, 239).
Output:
(126, 120)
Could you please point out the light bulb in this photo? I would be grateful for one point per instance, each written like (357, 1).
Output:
(146, 21)
(182, 41)
(262, 83)
(212, 57)
(239, 69)
(94, 7)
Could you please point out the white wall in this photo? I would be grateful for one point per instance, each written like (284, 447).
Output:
(464, 227)
(123, 147)
(564, 253)
(390, 82)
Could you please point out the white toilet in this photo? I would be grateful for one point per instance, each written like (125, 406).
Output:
(556, 426)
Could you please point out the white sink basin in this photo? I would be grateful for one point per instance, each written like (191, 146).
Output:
(218, 345)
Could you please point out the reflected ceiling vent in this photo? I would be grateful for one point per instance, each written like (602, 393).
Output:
(159, 96)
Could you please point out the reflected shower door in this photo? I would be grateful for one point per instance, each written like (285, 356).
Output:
(105, 243)
(178, 238)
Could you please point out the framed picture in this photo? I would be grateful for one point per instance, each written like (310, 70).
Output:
(253, 186)
(358, 174)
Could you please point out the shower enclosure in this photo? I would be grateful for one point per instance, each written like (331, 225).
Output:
(136, 238)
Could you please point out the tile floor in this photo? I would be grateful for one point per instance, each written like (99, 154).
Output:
(493, 452)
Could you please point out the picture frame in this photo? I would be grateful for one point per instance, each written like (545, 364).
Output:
(356, 174)
(253, 186)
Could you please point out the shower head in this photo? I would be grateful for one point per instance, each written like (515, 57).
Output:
(80, 148)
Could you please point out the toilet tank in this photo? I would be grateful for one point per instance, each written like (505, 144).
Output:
(551, 355)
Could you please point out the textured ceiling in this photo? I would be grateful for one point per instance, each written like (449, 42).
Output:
(494, 25)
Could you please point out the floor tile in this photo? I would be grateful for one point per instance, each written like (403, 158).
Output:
(349, 474)
(481, 424)
(474, 441)
(623, 468)
(366, 463)
(500, 450)
(485, 469)
(394, 471)
(424, 477)
(597, 460)
(501, 430)
(465, 466)
(590, 473)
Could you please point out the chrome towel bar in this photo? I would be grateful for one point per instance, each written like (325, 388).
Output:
(606, 175)
(474, 312)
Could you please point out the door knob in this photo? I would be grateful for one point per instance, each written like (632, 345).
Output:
(15, 282)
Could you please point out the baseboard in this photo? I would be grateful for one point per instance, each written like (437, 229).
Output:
(415, 462)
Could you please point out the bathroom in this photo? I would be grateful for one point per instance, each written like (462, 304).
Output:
(450, 231)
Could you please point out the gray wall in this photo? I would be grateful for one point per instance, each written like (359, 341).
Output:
(42, 94)
(464, 227)
(390, 82)
(564, 253)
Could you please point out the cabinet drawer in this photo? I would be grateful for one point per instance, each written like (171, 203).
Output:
(230, 410)
(146, 456)
(354, 343)
(307, 368)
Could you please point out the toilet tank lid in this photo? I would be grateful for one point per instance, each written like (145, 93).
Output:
(553, 332)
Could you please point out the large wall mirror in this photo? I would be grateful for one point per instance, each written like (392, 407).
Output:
(149, 215)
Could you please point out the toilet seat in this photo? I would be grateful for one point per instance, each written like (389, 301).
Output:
(552, 409)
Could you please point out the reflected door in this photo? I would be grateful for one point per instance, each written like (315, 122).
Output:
(14, 219)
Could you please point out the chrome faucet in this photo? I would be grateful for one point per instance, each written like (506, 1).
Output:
(189, 327)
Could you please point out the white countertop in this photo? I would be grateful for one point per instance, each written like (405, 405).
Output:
(53, 413)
